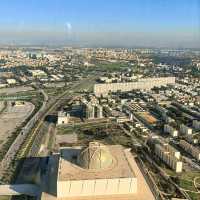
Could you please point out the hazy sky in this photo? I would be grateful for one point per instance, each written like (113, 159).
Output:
(170, 23)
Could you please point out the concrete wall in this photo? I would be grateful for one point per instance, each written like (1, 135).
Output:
(143, 84)
(96, 187)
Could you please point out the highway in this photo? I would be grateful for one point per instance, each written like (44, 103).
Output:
(23, 142)
(22, 135)
(29, 148)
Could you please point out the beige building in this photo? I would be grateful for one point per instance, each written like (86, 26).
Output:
(63, 118)
(142, 84)
(98, 172)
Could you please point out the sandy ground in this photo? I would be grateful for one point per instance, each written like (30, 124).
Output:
(12, 117)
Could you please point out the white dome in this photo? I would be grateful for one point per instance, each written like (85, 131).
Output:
(95, 157)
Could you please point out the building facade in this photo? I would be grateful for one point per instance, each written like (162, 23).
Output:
(142, 84)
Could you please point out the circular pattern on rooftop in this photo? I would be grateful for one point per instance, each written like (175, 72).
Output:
(95, 157)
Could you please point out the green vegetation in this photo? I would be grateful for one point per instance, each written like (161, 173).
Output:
(190, 175)
(5, 197)
(12, 171)
(195, 72)
(105, 66)
(187, 184)
(172, 60)
(194, 196)
(64, 130)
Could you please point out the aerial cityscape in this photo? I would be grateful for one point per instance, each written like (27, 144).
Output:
(100, 100)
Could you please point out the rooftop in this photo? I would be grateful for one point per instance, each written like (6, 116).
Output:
(107, 163)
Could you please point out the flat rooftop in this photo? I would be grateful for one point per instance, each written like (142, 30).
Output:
(143, 193)
(68, 170)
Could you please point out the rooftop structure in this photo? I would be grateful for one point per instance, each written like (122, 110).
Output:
(98, 172)
(96, 157)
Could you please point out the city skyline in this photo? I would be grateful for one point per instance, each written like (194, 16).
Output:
(137, 23)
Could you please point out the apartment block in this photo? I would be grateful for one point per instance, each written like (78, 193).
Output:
(192, 150)
(185, 130)
(171, 158)
(171, 130)
(196, 125)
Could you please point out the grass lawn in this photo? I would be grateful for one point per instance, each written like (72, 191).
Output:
(190, 175)
(187, 184)
(194, 196)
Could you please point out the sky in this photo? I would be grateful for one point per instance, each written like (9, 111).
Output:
(131, 23)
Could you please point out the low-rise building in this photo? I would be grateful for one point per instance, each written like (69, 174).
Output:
(63, 118)
(11, 81)
(37, 73)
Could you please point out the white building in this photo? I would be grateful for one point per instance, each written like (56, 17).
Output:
(142, 84)
(37, 73)
(63, 118)
(11, 81)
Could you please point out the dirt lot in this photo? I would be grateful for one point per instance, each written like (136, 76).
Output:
(148, 117)
(12, 117)
(14, 90)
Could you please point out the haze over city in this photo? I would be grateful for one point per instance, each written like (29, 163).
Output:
(100, 100)
(138, 23)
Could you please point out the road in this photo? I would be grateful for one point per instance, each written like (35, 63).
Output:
(23, 143)
(10, 155)
(83, 84)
